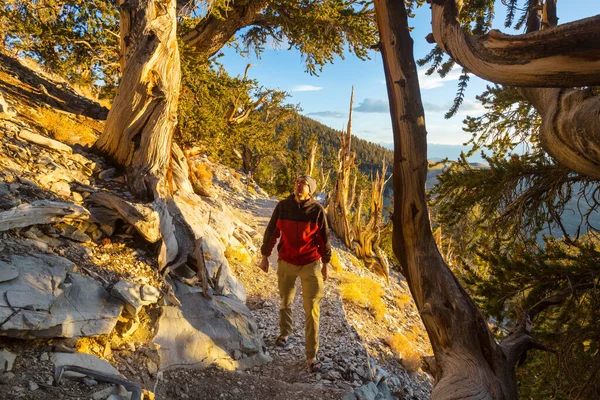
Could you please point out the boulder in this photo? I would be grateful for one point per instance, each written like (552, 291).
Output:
(48, 300)
(135, 296)
(217, 266)
(7, 359)
(204, 331)
(7, 272)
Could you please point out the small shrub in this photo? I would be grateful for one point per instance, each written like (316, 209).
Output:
(335, 262)
(356, 262)
(402, 300)
(204, 176)
(64, 129)
(363, 291)
(411, 358)
(237, 256)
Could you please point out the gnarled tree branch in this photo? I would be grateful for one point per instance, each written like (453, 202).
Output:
(564, 56)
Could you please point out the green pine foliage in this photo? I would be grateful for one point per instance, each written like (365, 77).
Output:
(231, 119)
(320, 30)
(76, 39)
(519, 232)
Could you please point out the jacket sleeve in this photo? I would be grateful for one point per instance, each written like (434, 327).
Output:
(324, 246)
(271, 233)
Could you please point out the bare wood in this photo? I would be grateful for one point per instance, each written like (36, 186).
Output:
(201, 268)
(311, 159)
(565, 56)
(470, 363)
(45, 142)
(41, 212)
(181, 171)
(143, 217)
(338, 211)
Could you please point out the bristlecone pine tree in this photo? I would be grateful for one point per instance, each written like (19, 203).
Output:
(469, 362)
(142, 121)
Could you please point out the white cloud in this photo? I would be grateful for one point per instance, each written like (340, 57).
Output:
(373, 106)
(471, 107)
(435, 81)
(306, 88)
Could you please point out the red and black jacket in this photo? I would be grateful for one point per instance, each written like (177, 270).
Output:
(303, 230)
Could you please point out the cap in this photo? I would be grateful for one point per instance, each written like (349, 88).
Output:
(312, 184)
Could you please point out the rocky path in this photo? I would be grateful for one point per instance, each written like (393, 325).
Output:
(349, 370)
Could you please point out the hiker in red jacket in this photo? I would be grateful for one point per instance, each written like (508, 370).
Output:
(300, 224)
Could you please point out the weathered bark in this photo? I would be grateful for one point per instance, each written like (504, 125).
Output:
(570, 130)
(212, 33)
(41, 212)
(565, 56)
(139, 130)
(470, 364)
(107, 208)
(140, 125)
(338, 209)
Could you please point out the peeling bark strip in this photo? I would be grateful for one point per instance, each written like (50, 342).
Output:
(570, 130)
(140, 125)
(564, 56)
(470, 363)
(41, 212)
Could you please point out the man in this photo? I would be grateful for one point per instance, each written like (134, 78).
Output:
(301, 223)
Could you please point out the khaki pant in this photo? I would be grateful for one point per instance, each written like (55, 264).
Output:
(312, 293)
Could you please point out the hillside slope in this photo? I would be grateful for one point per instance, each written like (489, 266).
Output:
(79, 289)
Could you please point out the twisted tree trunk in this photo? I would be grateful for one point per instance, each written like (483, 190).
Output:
(367, 235)
(141, 122)
(139, 130)
(470, 364)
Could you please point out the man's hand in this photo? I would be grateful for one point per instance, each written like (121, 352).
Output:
(324, 271)
(264, 264)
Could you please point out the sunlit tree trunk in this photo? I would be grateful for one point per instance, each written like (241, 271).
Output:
(140, 125)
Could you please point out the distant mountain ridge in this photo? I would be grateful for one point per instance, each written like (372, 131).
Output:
(369, 156)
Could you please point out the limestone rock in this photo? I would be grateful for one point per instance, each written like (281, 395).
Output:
(48, 300)
(7, 272)
(61, 188)
(72, 233)
(207, 331)
(7, 359)
(134, 295)
(83, 360)
(5, 108)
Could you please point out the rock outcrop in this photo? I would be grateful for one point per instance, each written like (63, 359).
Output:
(202, 332)
(46, 298)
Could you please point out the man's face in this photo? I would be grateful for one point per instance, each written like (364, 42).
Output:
(301, 188)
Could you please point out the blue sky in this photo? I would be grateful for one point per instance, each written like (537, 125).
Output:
(326, 98)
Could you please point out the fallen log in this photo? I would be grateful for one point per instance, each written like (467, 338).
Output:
(43, 141)
(41, 212)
